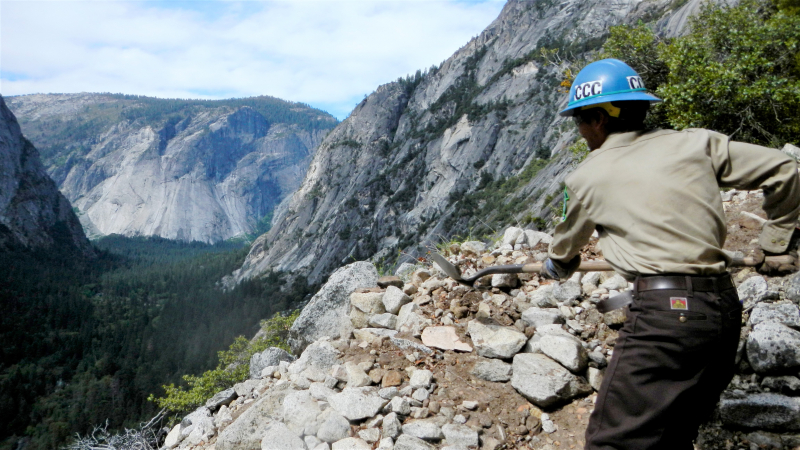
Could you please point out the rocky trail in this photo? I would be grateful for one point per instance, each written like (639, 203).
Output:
(417, 361)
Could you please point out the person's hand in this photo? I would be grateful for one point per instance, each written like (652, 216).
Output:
(554, 269)
(768, 266)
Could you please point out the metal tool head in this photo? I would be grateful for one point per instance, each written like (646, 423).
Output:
(451, 270)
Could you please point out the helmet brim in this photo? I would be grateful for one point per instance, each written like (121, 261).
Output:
(628, 96)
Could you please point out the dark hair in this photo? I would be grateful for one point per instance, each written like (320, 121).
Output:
(631, 117)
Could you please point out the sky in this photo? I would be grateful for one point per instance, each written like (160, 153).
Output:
(326, 53)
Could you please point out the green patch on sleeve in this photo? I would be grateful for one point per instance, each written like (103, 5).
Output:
(564, 207)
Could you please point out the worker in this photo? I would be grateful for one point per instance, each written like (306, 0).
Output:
(653, 196)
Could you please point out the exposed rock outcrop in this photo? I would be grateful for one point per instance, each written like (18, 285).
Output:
(33, 214)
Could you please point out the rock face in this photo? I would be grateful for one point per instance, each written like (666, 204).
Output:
(204, 171)
(33, 214)
(389, 178)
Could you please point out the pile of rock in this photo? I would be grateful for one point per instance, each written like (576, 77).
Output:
(424, 362)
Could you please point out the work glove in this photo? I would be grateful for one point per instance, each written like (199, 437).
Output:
(554, 269)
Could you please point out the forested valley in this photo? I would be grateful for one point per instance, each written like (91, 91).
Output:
(86, 341)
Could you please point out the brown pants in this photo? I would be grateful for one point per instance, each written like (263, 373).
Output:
(669, 365)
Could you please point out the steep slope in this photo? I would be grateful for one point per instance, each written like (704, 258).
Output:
(188, 170)
(33, 214)
(459, 149)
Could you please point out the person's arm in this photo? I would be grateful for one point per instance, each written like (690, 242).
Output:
(569, 237)
(747, 167)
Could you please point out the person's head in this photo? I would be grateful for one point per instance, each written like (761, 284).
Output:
(607, 97)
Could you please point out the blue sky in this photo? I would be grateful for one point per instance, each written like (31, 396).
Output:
(327, 53)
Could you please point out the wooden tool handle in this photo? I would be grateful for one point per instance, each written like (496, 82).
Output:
(586, 266)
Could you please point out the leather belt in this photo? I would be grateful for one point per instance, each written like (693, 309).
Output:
(684, 283)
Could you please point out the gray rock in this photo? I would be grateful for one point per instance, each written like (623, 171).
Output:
(406, 442)
(391, 426)
(765, 411)
(351, 443)
(567, 291)
(787, 384)
(320, 356)
(511, 234)
(617, 282)
(567, 351)
(495, 341)
(173, 438)
(754, 290)
(505, 280)
(785, 313)
(491, 370)
(311, 442)
(357, 403)
(406, 344)
(400, 406)
(335, 428)
(473, 248)
(356, 377)
(248, 429)
(421, 378)
(536, 317)
(545, 382)
(385, 320)
(386, 443)
(792, 287)
(394, 298)
(388, 393)
(409, 320)
(456, 434)
(532, 238)
(423, 429)
(300, 412)
(420, 395)
(595, 377)
(370, 435)
(773, 347)
(278, 436)
(221, 398)
(320, 391)
(327, 312)
(592, 278)
(269, 357)
(791, 150)
(198, 426)
(369, 303)
(544, 297)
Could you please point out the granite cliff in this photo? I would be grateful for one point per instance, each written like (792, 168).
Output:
(187, 170)
(463, 148)
(33, 214)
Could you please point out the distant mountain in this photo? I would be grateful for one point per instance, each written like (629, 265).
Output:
(465, 148)
(180, 169)
(33, 214)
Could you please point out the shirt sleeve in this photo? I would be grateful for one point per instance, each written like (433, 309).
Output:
(573, 232)
(746, 166)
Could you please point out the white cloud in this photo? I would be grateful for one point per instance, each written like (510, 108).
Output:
(328, 53)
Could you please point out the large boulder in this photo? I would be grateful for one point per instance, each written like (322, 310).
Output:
(301, 413)
(773, 347)
(495, 341)
(269, 357)
(785, 313)
(566, 350)
(357, 403)
(277, 436)
(765, 411)
(754, 290)
(545, 382)
(319, 356)
(246, 432)
(327, 312)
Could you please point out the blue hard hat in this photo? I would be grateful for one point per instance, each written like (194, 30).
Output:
(607, 80)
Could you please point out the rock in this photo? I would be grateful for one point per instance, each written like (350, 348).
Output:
(548, 426)
(300, 412)
(357, 403)
(312, 442)
(327, 312)
(568, 291)
(420, 395)
(221, 398)
(444, 338)
(420, 276)
(511, 235)
(385, 320)
(421, 378)
(390, 280)
(463, 435)
(370, 335)
(567, 351)
(617, 282)
(592, 278)
(248, 429)
(320, 391)
(400, 406)
(335, 428)
(223, 418)
(358, 318)
(370, 435)
(615, 318)
(495, 341)
(785, 313)
(406, 344)
(791, 150)
(320, 356)
(491, 370)
(764, 411)
(277, 436)
(394, 299)
(391, 426)
(544, 382)
(536, 317)
(356, 377)
(475, 248)
(391, 378)
(269, 357)
(405, 270)
(595, 377)
(788, 385)
(173, 438)
(351, 444)
(773, 347)
(368, 302)
(409, 320)
(406, 442)
(198, 426)
(792, 288)
(423, 429)
(543, 297)
(533, 238)
(385, 444)
(505, 280)
(754, 290)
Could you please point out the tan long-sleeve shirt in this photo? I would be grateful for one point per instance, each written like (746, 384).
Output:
(654, 199)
